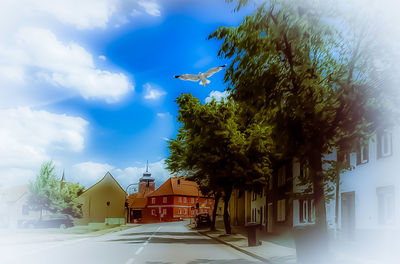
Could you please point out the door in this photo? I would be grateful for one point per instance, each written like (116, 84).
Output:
(270, 218)
(348, 214)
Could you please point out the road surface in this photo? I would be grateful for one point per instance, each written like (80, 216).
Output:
(160, 243)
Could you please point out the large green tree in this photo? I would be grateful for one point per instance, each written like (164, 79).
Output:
(300, 68)
(214, 149)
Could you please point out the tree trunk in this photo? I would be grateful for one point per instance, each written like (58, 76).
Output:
(214, 214)
(227, 222)
(320, 234)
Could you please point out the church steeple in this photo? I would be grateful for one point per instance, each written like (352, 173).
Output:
(147, 173)
(146, 183)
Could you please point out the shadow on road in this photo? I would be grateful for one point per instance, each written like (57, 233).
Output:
(223, 261)
(161, 234)
(211, 261)
(165, 240)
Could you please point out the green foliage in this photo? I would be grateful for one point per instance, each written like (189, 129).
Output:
(215, 149)
(42, 190)
(48, 193)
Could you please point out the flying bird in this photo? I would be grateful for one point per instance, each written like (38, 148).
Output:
(201, 76)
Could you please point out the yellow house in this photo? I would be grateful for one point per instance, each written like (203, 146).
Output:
(104, 202)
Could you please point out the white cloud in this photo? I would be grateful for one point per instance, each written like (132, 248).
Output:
(102, 57)
(163, 114)
(29, 137)
(69, 65)
(88, 173)
(152, 92)
(151, 8)
(217, 95)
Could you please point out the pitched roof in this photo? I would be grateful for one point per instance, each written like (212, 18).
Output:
(137, 202)
(171, 187)
(15, 193)
(106, 176)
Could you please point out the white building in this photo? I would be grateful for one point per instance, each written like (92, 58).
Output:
(369, 194)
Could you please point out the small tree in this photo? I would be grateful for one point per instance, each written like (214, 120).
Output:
(49, 193)
(43, 189)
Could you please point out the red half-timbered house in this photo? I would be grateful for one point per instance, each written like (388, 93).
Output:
(176, 199)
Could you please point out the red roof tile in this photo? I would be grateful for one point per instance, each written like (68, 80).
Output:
(171, 187)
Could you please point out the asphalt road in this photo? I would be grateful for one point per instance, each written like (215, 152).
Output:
(159, 243)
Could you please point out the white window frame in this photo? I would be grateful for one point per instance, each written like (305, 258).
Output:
(362, 158)
(164, 211)
(305, 211)
(179, 199)
(388, 135)
(387, 196)
(153, 200)
(184, 199)
(184, 211)
(312, 211)
(153, 211)
(192, 200)
(165, 199)
(179, 211)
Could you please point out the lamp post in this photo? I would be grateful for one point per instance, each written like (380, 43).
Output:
(128, 213)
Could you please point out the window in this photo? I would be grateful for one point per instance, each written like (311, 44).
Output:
(179, 199)
(165, 199)
(384, 144)
(192, 200)
(184, 199)
(153, 211)
(281, 175)
(386, 204)
(307, 211)
(184, 211)
(25, 210)
(281, 211)
(179, 211)
(192, 212)
(179, 182)
(344, 157)
(304, 171)
(153, 200)
(164, 211)
(363, 154)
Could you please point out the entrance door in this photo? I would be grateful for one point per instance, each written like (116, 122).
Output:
(348, 214)
(270, 218)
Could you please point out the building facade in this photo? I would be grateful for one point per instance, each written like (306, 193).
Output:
(104, 202)
(176, 199)
(369, 193)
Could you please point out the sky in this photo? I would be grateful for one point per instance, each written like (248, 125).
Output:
(89, 84)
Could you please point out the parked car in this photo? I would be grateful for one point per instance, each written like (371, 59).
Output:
(48, 221)
(203, 220)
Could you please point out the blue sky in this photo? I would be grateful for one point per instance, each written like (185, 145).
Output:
(92, 88)
(89, 84)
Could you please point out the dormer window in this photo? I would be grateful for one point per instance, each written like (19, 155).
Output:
(179, 182)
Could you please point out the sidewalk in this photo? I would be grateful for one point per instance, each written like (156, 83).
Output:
(272, 250)
(281, 249)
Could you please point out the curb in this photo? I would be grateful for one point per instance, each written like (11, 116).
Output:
(237, 248)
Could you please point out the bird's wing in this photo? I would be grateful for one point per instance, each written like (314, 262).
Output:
(213, 70)
(188, 77)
